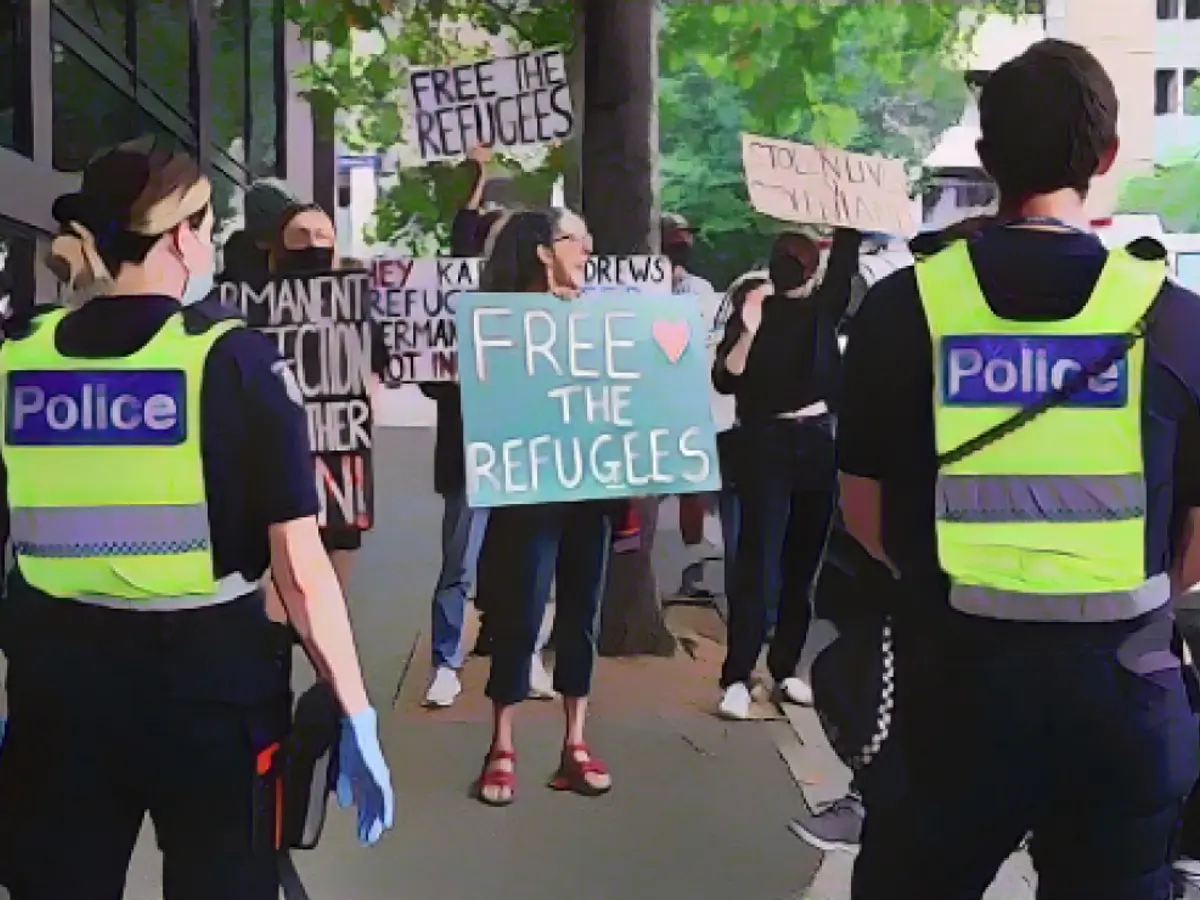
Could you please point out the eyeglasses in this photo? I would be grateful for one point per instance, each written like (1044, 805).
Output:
(584, 240)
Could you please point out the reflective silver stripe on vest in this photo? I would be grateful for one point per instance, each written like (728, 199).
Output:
(85, 532)
(1014, 606)
(229, 588)
(1040, 498)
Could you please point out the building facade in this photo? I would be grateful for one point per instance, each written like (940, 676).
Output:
(1138, 44)
(1176, 72)
(77, 76)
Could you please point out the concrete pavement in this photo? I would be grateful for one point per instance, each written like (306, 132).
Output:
(699, 810)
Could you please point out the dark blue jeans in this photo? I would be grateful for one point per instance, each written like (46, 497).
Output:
(1080, 734)
(786, 497)
(523, 546)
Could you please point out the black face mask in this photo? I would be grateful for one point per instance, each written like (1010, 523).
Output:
(679, 254)
(787, 273)
(304, 262)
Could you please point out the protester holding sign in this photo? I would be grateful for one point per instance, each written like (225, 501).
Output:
(753, 287)
(462, 526)
(678, 239)
(780, 359)
(542, 253)
(155, 466)
(305, 244)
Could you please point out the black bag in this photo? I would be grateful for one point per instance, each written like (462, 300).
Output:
(308, 767)
(853, 678)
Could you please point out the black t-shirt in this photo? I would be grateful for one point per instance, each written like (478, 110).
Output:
(794, 360)
(885, 429)
(258, 472)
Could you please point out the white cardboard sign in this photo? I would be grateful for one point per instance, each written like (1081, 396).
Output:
(504, 103)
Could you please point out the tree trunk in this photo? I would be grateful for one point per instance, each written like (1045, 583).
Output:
(620, 151)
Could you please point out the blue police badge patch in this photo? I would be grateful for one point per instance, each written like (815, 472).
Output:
(1008, 370)
(96, 409)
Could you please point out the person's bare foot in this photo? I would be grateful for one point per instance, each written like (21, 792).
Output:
(497, 784)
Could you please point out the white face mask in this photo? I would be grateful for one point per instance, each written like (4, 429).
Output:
(198, 287)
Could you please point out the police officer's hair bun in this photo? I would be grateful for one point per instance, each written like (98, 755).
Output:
(130, 197)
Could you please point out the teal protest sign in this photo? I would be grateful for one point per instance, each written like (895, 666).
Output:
(603, 397)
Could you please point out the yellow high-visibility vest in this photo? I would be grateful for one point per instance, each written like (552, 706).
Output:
(1048, 522)
(105, 478)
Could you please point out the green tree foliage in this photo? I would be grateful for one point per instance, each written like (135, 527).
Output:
(372, 45)
(872, 76)
(1171, 191)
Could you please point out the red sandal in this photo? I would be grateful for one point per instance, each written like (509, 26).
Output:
(572, 774)
(492, 777)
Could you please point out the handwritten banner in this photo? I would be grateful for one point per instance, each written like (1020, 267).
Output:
(414, 302)
(507, 102)
(604, 397)
(822, 186)
(321, 325)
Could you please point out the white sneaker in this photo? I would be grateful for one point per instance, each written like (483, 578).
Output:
(705, 551)
(541, 682)
(714, 536)
(443, 689)
(796, 690)
(735, 704)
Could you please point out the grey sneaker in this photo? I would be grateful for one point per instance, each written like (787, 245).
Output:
(835, 826)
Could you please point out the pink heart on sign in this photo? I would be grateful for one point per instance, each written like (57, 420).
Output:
(672, 337)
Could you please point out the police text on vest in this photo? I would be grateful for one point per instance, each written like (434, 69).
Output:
(96, 408)
(1008, 370)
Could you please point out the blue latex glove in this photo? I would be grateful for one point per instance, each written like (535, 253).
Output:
(363, 776)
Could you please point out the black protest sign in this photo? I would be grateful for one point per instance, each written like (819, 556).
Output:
(511, 101)
(414, 303)
(322, 325)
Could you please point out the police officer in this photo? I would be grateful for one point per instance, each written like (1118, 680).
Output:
(155, 466)
(1007, 448)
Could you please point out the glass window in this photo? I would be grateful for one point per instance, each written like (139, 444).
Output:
(17, 252)
(266, 51)
(1166, 91)
(1191, 92)
(1191, 9)
(90, 113)
(1168, 9)
(164, 51)
(104, 20)
(230, 73)
(13, 96)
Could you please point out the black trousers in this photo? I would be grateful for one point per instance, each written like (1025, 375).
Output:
(1187, 621)
(113, 717)
(1080, 734)
(786, 493)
